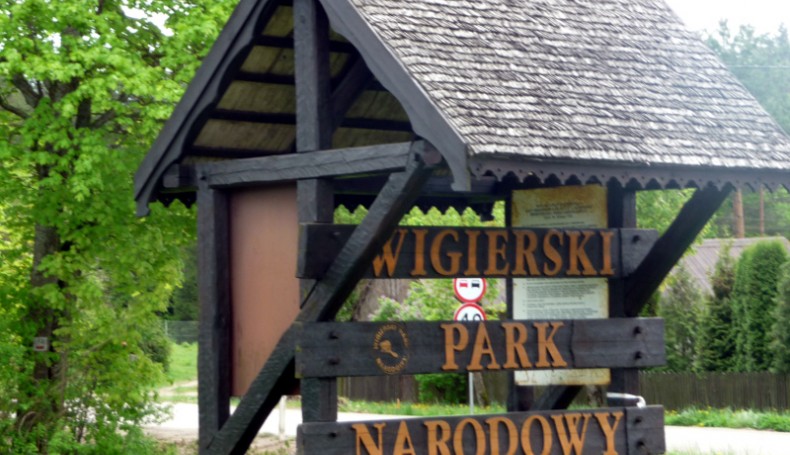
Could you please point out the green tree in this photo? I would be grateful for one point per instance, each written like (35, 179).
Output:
(754, 303)
(681, 308)
(716, 349)
(762, 63)
(84, 88)
(780, 343)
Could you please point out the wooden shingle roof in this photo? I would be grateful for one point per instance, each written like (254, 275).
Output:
(577, 90)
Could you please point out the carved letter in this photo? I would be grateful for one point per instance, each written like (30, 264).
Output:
(403, 444)
(606, 251)
(471, 253)
(576, 254)
(515, 346)
(387, 257)
(576, 441)
(526, 442)
(551, 252)
(546, 346)
(363, 436)
(480, 437)
(525, 252)
(419, 252)
(450, 346)
(609, 430)
(436, 250)
(438, 445)
(512, 434)
(482, 347)
(495, 251)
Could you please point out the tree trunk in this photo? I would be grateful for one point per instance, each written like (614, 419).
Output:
(762, 212)
(46, 405)
(738, 227)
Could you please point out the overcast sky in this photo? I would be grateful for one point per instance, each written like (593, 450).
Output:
(765, 15)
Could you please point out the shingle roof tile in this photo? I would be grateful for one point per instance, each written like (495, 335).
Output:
(611, 80)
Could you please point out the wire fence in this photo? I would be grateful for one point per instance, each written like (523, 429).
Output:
(181, 331)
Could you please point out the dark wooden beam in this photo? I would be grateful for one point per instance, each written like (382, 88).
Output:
(214, 343)
(290, 119)
(314, 132)
(284, 42)
(322, 304)
(621, 210)
(669, 248)
(308, 165)
(627, 297)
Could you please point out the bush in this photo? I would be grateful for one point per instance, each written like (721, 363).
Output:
(442, 388)
(754, 295)
(155, 344)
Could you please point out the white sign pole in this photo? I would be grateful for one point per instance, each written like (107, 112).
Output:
(470, 291)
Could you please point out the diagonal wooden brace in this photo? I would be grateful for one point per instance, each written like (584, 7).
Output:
(322, 303)
(666, 252)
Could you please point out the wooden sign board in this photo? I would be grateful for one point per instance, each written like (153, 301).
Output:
(366, 349)
(441, 252)
(608, 431)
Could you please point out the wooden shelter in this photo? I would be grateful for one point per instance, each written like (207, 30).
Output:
(305, 105)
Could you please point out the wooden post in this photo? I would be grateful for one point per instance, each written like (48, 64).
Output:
(214, 351)
(314, 128)
(621, 211)
(519, 398)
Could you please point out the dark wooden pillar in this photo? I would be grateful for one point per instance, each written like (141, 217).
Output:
(519, 398)
(621, 211)
(214, 350)
(314, 132)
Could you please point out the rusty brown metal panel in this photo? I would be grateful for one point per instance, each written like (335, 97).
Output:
(264, 288)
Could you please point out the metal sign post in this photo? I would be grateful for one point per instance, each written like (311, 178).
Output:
(470, 291)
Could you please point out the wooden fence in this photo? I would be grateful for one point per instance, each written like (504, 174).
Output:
(759, 391)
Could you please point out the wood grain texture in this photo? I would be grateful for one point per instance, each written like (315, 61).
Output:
(369, 349)
(440, 252)
(314, 129)
(214, 350)
(669, 248)
(321, 304)
(622, 431)
(308, 165)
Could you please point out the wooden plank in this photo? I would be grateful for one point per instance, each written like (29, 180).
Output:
(214, 351)
(440, 252)
(204, 90)
(322, 303)
(427, 119)
(622, 431)
(669, 248)
(622, 213)
(308, 165)
(369, 349)
(314, 132)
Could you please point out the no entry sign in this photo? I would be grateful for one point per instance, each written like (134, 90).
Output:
(470, 290)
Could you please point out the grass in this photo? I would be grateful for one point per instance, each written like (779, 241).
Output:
(183, 363)
(183, 368)
(728, 418)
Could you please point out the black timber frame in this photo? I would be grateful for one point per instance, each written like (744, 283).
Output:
(319, 112)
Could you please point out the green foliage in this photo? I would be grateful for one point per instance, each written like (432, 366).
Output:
(84, 89)
(183, 363)
(184, 303)
(681, 308)
(754, 303)
(762, 63)
(728, 418)
(780, 343)
(716, 348)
